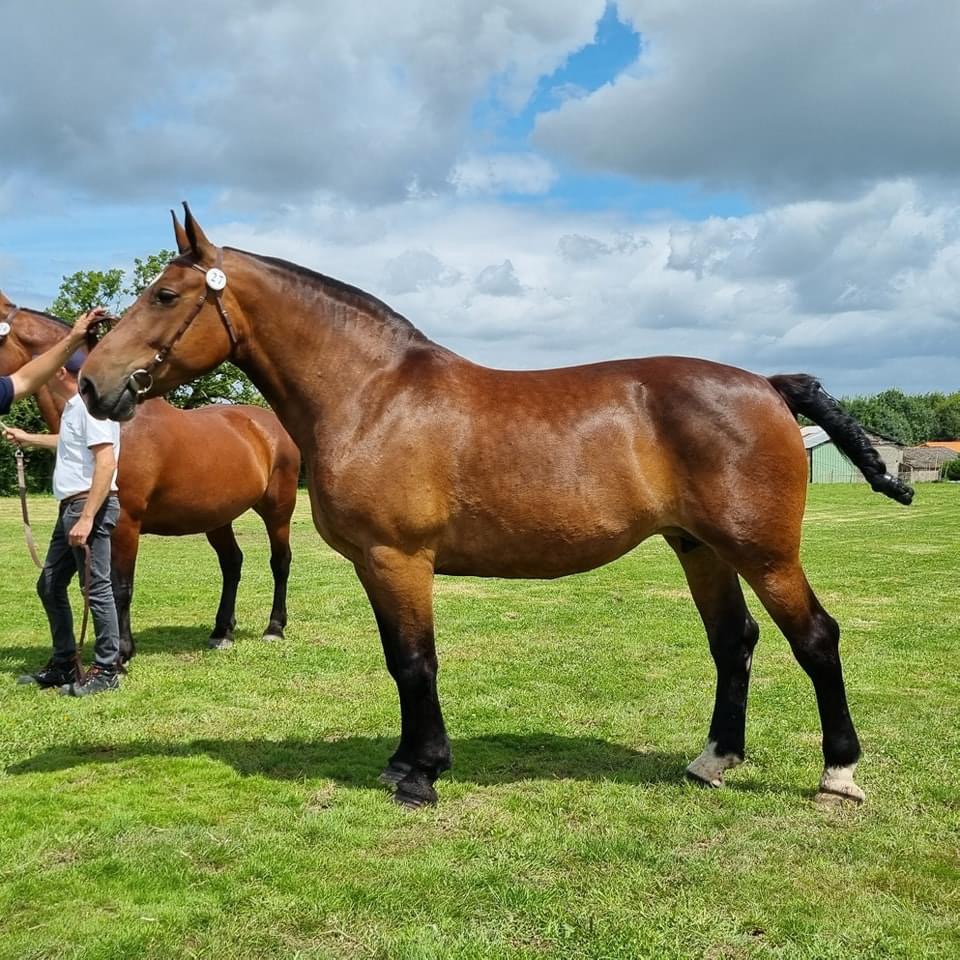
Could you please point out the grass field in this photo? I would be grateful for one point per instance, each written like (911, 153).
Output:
(225, 804)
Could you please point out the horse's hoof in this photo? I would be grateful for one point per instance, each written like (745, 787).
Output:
(713, 784)
(414, 801)
(272, 637)
(708, 769)
(394, 772)
(837, 786)
(415, 791)
(220, 643)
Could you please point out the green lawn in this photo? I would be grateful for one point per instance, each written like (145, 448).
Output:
(225, 804)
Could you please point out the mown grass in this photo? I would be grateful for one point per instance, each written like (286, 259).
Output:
(225, 805)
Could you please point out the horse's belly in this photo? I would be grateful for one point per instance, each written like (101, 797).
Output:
(180, 512)
(551, 548)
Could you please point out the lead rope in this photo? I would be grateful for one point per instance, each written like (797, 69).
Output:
(22, 486)
(32, 547)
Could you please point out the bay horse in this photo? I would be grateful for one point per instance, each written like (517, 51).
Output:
(421, 462)
(184, 472)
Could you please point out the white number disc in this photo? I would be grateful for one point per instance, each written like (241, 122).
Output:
(216, 279)
(4, 329)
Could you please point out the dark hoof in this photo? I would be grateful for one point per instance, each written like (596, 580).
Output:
(394, 772)
(415, 790)
(220, 643)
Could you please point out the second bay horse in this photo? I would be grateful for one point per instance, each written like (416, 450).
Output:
(184, 472)
(422, 463)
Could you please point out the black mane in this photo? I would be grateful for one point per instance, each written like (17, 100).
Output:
(338, 290)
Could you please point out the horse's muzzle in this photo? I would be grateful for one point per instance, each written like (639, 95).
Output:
(120, 404)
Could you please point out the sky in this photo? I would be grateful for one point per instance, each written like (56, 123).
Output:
(769, 183)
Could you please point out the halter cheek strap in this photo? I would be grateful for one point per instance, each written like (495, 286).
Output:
(216, 282)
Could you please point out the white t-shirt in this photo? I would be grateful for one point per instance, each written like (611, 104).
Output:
(79, 431)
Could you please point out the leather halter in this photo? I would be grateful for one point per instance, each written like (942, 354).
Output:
(142, 379)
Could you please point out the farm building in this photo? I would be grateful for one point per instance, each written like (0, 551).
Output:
(828, 465)
(926, 462)
(953, 445)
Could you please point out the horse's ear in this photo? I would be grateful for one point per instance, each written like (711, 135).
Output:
(183, 243)
(200, 246)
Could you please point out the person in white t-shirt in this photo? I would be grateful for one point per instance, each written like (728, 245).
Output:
(85, 484)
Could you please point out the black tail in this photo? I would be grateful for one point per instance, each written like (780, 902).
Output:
(803, 394)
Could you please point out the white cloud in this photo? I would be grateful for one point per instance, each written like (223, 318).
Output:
(416, 270)
(784, 97)
(368, 100)
(525, 173)
(754, 291)
(498, 280)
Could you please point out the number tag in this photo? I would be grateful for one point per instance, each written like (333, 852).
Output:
(216, 279)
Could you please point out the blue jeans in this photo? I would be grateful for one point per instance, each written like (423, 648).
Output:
(62, 562)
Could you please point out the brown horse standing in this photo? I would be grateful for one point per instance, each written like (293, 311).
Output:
(185, 472)
(422, 462)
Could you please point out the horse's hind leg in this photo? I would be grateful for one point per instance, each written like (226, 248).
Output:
(231, 563)
(276, 518)
(815, 640)
(733, 634)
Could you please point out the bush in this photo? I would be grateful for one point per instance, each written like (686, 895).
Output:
(952, 470)
(39, 463)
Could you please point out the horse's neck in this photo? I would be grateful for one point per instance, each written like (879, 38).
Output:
(41, 334)
(313, 356)
(51, 409)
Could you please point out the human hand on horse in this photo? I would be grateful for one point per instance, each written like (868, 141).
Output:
(85, 324)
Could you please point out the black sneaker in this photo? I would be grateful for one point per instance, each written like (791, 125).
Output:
(98, 680)
(54, 674)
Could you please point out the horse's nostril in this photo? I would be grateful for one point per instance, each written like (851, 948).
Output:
(88, 390)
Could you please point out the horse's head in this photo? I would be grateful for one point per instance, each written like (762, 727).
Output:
(180, 327)
(16, 336)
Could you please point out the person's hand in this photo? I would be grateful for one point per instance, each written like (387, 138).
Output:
(80, 531)
(78, 335)
(16, 435)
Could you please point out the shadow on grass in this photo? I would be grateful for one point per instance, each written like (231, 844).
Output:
(356, 761)
(157, 640)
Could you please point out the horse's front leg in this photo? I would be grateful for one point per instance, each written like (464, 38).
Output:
(400, 588)
(123, 563)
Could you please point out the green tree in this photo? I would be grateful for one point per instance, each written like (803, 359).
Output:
(86, 289)
(947, 412)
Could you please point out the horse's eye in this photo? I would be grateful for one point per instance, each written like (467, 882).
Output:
(166, 297)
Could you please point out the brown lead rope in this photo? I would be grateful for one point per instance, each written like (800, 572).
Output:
(32, 547)
(27, 531)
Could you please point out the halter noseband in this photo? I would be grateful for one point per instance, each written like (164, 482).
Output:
(216, 281)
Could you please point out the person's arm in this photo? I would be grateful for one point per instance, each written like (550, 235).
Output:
(104, 463)
(33, 375)
(23, 439)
